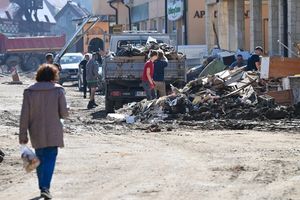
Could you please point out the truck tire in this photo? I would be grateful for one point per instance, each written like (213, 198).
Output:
(109, 106)
(31, 64)
(13, 61)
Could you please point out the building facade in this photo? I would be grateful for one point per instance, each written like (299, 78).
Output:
(230, 24)
(66, 21)
(245, 24)
(151, 15)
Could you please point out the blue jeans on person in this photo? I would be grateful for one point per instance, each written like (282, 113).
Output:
(150, 93)
(47, 157)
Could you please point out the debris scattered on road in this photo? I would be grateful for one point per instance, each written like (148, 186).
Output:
(1, 156)
(228, 94)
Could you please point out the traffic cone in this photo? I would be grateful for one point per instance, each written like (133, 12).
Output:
(15, 76)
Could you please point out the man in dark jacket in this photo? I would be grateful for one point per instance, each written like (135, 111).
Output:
(253, 63)
(159, 74)
(82, 66)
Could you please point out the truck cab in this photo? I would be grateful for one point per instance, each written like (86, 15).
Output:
(122, 74)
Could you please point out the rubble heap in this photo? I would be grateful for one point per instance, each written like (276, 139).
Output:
(130, 50)
(225, 95)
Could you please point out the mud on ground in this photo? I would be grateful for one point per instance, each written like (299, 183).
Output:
(177, 159)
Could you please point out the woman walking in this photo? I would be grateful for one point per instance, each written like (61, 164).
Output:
(44, 104)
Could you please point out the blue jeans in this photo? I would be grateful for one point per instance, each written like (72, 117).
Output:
(150, 93)
(45, 170)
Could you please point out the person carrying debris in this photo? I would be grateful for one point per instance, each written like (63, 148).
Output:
(147, 77)
(44, 105)
(159, 73)
(253, 63)
(92, 68)
(238, 63)
(82, 66)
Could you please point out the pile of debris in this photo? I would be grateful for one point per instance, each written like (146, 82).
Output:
(226, 95)
(130, 50)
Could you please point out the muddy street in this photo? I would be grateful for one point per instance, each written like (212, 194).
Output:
(105, 159)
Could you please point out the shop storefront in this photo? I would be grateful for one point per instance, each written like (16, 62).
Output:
(186, 20)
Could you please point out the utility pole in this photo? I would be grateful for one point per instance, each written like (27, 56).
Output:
(185, 10)
(166, 16)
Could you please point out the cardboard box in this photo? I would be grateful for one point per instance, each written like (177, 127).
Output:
(284, 97)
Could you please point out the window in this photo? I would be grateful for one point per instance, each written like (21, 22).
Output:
(143, 26)
(153, 25)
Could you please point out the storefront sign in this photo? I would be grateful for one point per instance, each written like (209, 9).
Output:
(175, 9)
(199, 14)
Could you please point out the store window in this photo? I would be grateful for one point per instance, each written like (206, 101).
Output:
(153, 25)
(161, 26)
(143, 26)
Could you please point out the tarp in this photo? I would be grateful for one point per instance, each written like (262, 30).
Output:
(212, 68)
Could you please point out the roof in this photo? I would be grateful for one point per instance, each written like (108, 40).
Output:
(59, 4)
(41, 13)
(75, 8)
(52, 8)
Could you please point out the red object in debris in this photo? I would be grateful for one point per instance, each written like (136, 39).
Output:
(115, 93)
(31, 44)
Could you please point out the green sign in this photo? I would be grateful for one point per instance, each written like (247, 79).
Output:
(175, 9)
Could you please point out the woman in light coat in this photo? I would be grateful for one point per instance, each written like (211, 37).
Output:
(44, 105)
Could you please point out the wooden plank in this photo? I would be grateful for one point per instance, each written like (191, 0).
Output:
(282, 67)
(284, 97)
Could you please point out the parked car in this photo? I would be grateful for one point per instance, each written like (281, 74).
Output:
(70, 67)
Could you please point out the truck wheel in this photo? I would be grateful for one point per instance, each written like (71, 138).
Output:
(109, 106)
(13, 61)
(31, 64)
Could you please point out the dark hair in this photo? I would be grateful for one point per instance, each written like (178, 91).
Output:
(47, 73)
(49, 55)
(259, 48)
(160, 55)
(239, 55)
(153, 53)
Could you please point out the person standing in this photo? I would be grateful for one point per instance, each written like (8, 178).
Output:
(159, 73)
(147, 77)
(82, 66)
(49, 58)
(92, 68)
(253, 63)
(238, 63)
(44, 105)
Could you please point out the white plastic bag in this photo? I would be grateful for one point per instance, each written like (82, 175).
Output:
(30, 160)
